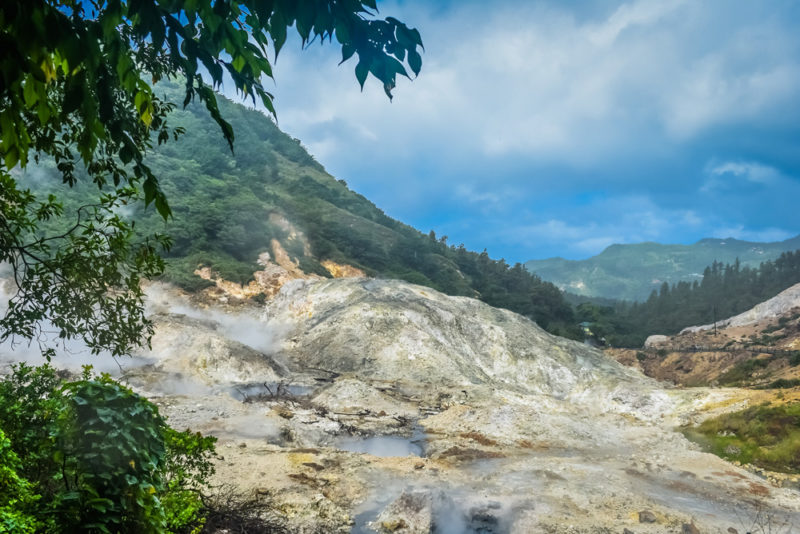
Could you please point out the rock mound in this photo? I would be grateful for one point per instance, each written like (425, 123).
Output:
(392, 330)
(189, 355)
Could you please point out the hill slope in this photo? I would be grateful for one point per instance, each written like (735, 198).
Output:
(632, 272)
(272, 197)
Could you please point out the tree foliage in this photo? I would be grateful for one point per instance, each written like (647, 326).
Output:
(724, 291)
(92, 456)
(17, 500)
(76, 86)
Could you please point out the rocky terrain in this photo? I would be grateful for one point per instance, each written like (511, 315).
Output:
(763, 341)
(362, 405)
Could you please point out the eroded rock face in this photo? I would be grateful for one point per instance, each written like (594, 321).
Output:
(268, 281)
(390, 330)
(200, 349)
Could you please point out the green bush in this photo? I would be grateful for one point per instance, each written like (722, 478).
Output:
(96, 457)
(112, 455)
(17, 500)
(186, 472)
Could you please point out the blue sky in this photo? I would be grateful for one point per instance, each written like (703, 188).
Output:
(539, 129)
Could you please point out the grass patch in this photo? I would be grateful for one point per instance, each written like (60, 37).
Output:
(782, 383)
(742, 372)
(766, 436)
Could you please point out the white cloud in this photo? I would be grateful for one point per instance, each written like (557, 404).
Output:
(625, 219)
(750, 170)
(758, 235)
(523, 100)
(734, 173)
(532, 79)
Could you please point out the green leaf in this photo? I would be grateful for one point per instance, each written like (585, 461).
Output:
(126, 154)
(342, 33)
(362, 69)
(277, 26)
(415, 62)
(347, 52)
(162, 206)
(150, 188)
(238, 63)
(73, 95)
(29, 92)
(11, 157)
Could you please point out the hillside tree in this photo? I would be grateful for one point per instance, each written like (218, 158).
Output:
(76, 89)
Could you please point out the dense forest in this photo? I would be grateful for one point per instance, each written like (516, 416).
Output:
(223, 202)
(724, 291)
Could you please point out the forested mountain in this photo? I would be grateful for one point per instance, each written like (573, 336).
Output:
(224, 208)
(724, 291)
(631, 272)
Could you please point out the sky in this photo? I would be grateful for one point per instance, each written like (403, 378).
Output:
(540, 129)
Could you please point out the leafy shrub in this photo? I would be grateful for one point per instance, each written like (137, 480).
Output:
(771, 328)
(641, 356)
(112, 452)
(99, 455)
(187, 470)
(312, 266)
(17, 500)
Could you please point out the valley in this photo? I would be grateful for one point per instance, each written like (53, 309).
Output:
(365, 405)
(346, 399)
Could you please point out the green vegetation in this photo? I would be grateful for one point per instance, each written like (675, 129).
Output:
(228, 207)
(92, 456)
(724, 291)
(766, 436)
(17, 500)
(741, 374)
(783, 383)
(76, 91)
(631, 272)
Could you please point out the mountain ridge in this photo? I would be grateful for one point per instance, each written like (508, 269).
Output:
(633, 271)
(229, 210)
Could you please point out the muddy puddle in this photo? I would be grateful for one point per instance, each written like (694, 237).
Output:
(386, 445)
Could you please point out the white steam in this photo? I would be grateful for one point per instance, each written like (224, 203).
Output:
(245, 328)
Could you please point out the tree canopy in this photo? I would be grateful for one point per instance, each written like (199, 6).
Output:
(76, 83)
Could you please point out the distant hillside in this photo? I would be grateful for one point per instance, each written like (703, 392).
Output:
(632, 272)
(230, 208)
(724, 291)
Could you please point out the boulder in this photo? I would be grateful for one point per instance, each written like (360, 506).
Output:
(655, 341)
(411, 513)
